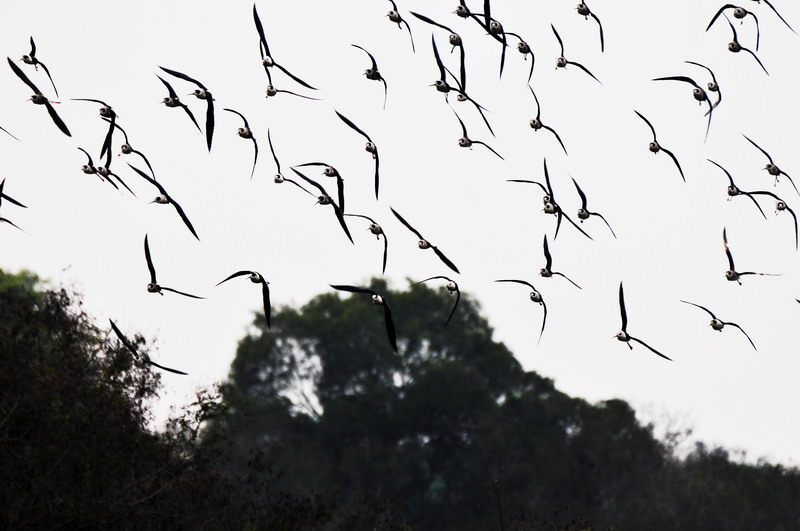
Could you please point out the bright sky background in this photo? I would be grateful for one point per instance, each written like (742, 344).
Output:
(85, 234)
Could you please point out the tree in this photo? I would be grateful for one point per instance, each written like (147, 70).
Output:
(451, 432)
(75, 446)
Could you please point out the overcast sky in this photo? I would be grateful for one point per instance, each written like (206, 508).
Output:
(85, 234)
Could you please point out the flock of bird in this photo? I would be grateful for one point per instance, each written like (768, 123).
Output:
(451, 81)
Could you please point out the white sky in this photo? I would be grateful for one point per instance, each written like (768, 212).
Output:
(84, 233)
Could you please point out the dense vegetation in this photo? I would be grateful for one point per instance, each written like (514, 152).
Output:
(322, 426)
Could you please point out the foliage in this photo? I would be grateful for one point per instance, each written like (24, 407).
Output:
(451, 432)
(75, 450)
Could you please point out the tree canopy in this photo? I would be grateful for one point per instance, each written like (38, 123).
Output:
(321, 425)
(452, 433)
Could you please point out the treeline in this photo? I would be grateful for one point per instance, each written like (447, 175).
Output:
(322, 426)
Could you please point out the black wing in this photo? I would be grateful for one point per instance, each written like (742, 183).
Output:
(679, 78)
(353, 126)
(709, 312)
(654, 351)
(149, 260)
(407, 225)
(123, 339)
(444, 259)
(718, 13)
(760, 149)
(272, 149)
(580, 193)
(602, 41)
(548, 258)
(622, 311)
(727, 250)
(652, 129)
(265, 298)
(745, 333)
(353, 289)
(518, 282)
(263, 48)
(560, 42)
(183, 76)
(181, 293)
(154, 364)
(584, 69)
(23, 77)
(150, 180)
(675, 160)
(235, 275)
(185, 219)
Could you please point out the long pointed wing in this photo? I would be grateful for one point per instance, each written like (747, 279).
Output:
(675, 160)
(123, 339)
(240, 116)
(191, 116)
(759, 148)
(562, 213)
(353, 126)
(342, 222)
(548, 258)
(181, 293)
(605, 221)
(453, 311)
(654, 351)
(560, 42)
(263, 47)
(779, 16)
(371, 58)
(3, 129)
(185, 219)
(149, 260)
(377, 174)
(311, 181)
(599, 25)
(557, 137)
(294, 77)
(429, 21)
(545, 190)
(487, 146)
(580, 193)
(209, 119)
(57, 119)
(444, 259)
(183, 76)
(175, 371)
(727, 250)
(149, 179)
(404, 222)
(390, 332)
(272, 149)
(517, 282)
(584, 69)
(385, 252)
(717, 14)
(566, 277)
(46, 71)
(235, 275)
(544, 321)
(107, 140)
(709, 312)
(265, 298)
(353, 289)
(439, 63)
(652, 129)
(679, 78)
(622, 311)
(751, 52)
(745, 334)
(170, 90)
(20, 74)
